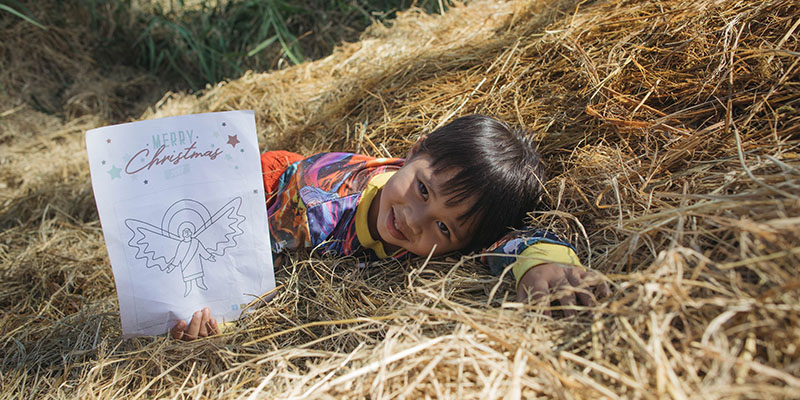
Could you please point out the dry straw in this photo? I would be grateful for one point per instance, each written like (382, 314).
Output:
(671, 130)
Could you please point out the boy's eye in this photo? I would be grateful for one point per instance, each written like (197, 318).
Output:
(422, 189)
(443, 228)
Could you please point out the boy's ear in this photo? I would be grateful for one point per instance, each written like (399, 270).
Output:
(415, 148)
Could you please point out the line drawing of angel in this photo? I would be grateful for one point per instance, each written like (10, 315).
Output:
(188, 235)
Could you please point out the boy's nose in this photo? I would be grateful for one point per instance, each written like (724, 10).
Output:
(414, 218)
(417, 218)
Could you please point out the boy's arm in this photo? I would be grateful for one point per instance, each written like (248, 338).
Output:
(541, 262)
(527, 249)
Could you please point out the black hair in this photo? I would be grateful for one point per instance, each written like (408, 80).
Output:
(496, 165)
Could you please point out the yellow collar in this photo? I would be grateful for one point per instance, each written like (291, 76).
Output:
(362, 213)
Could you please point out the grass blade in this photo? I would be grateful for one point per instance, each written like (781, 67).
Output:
(23, 16)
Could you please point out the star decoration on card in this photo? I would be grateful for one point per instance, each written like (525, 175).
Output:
(103, 162)
(108, 141)
(145, 181)
(233, 140)
(114, 172)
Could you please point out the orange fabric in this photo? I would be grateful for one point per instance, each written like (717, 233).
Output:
(273, 163)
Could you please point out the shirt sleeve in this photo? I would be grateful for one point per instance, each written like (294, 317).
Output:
(288, 226)
(526, 249)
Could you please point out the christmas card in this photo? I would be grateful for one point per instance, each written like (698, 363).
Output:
(181, 203)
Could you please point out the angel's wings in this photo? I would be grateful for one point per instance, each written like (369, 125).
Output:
(152, 244)
(220, 232)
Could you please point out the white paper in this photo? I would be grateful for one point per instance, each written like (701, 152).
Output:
(181, 203)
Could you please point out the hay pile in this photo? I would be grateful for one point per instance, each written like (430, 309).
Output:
(671, 130)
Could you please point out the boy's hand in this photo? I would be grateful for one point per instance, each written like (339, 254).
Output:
(546, 278)
(202, 325)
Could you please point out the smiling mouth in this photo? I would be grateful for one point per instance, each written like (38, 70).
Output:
(391, 226)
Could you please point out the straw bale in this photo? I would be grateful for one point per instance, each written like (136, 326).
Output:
(671, 132)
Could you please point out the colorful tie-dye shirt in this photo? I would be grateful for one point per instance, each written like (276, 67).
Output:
(322, 202)
(316, 202)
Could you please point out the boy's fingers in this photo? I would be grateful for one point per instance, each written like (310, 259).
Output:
(567, 302)
(604, 290)
(577, 279)
(585, 298)
(203, 332)
(596, 280)
(574, 277)
(190, 333)
(213, 328)
(532, 292)
(177, 331)
(201, 325)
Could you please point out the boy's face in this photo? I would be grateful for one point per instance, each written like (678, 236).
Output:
(410, 212)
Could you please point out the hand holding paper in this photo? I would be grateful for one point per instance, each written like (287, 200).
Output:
(201, 325)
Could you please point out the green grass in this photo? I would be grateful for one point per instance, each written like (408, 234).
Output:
(207, 41)
(16, 9)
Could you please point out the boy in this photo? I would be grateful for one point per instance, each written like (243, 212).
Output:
(459, 189)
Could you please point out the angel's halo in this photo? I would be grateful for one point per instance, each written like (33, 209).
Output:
(183, 212)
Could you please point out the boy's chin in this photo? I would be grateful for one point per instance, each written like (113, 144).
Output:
(390, 248)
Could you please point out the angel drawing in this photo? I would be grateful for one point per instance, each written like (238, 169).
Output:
(188, 235)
